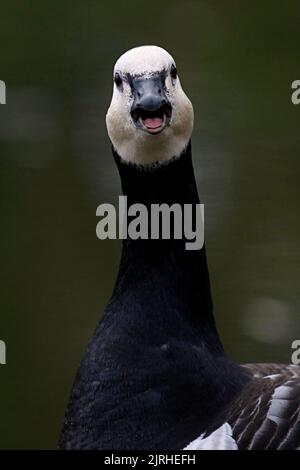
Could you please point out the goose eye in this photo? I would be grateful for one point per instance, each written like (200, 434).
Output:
(118, 79)
(174, 72)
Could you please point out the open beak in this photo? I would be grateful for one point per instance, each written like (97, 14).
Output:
(151, 110)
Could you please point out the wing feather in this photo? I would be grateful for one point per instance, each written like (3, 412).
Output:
(266, 415)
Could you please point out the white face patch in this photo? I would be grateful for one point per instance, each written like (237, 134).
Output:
(132, 139)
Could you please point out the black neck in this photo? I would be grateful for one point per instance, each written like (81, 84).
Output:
(166, 265)
(155, 364)
(169, 182)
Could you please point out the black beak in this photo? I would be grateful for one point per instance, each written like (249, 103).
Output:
(150, 102)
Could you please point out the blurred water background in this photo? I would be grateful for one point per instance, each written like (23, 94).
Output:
(236, 60)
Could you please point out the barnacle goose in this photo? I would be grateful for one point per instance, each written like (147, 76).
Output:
(155, 375)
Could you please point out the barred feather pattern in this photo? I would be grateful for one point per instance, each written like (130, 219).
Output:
(266, 415)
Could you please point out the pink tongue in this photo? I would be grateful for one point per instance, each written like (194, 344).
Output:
(153, 123)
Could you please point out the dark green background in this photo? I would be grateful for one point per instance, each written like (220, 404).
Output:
(236, 60)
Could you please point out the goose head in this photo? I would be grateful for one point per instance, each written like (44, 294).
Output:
(150, 118)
